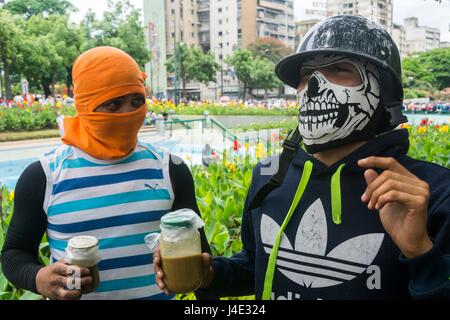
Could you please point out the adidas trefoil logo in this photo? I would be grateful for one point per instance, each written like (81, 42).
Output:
(308, 264)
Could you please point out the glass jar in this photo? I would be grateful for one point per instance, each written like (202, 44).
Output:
(82, 251)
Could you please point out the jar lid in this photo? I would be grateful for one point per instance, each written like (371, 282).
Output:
(172, 222)
(82, 242)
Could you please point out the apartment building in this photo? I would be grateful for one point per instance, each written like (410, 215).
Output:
(218, 26)
(379, 11)
(420, 38)
(302, 27)
(399, 36)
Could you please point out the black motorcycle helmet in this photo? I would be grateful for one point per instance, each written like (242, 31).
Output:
(358, 37)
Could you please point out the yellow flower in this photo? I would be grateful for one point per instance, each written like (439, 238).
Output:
(444, 128)
(422, 129)
(233, 167)
(405, 126)
(11, 196)
(27, 110)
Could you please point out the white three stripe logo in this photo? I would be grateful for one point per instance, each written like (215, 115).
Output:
(308, 264)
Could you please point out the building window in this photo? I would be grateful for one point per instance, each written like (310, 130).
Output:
(172, 11)
(220, 33)
(220, 21)
(219, 10)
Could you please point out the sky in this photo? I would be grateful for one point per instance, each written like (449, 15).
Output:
(429, 12)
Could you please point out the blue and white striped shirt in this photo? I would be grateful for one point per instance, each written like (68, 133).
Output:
(118, 202)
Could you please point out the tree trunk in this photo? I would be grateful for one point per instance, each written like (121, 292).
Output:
(184, 87)
(53, 84)
(8, 93)
(69, 81)
(46, 87)
(245, 91)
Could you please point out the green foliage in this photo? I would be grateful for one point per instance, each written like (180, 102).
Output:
(430, 143)
(192, 64)
(43, 47)
(285, 124)
(7, 290)
(254, 72)
(269, 48)
(428, 70)
(30, 8)
(216, 109)
(34, 117)
(221, 191)
(120, 27)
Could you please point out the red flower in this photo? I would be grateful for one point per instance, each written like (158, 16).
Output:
(424, 122)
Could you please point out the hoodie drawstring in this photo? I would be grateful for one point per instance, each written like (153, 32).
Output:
(336, 205)
(336, 212)
(270, 271)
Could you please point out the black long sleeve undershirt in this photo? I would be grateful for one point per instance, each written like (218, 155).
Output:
(19, 257)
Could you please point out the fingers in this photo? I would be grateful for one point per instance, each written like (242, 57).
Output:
(63, 294)
(390, 180)
(384, 163)
(206, 260)
(370, 175)
(159, 272)
(86, 281)
(414, 201)
(392, 185)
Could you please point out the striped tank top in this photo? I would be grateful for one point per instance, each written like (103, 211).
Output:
(118, 202)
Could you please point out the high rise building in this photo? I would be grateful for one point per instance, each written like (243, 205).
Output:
(274, 19)
(170, 22)
(218, 26)
(399, 36)
(302, 27)
(420, 38)
(311, 9)
(155, 35)
(379, 11)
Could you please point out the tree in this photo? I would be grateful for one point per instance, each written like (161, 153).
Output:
(193, 64)
(427, 70)
(269, 48)
(241, 61)
(120, 27)
(30, 8)
(48, 51)
(10, 40)
(253, 72)
(263, 75)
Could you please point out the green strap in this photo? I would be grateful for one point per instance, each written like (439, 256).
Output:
(273, 255)
(336, 207)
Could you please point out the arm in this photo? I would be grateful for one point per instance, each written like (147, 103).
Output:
(417, 221)
(21, 249)
(184, 190)
(235, 276)
(28, 224)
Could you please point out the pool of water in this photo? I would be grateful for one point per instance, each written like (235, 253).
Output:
(11, 170)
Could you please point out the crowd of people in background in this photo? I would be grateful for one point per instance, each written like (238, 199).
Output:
(423, 106)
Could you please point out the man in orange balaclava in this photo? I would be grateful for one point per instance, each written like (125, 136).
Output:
(99, 75)
(101, 182)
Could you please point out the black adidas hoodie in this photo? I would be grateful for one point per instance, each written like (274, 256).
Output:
(355, 259)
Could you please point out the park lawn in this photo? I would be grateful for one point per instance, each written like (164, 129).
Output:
(28, 135)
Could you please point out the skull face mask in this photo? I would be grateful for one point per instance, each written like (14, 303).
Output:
(331, 114)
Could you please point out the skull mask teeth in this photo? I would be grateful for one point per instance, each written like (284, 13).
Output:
(329, 111)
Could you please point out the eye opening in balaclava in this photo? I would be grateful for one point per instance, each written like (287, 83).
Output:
(335, 114)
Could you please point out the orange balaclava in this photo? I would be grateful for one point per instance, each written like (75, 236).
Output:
(99, 75)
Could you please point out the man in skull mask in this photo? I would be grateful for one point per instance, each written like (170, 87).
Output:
(353, 217)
